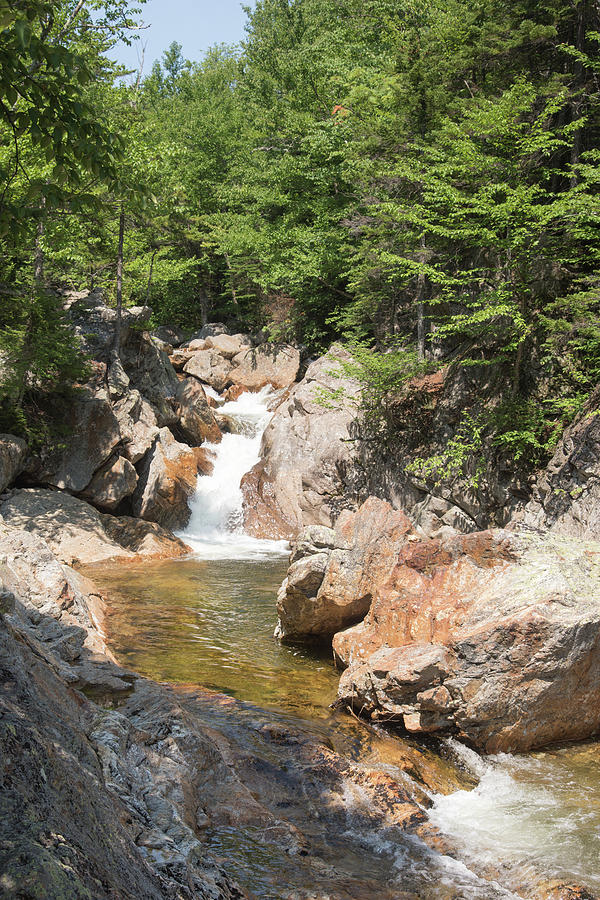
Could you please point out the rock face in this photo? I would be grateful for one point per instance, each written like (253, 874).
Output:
(152, 374)
(197, 421)
(95, 323)
(93, 434)
(167, 479)
(566, 498)
(76, 532)
(275, 364)
(110, 485)
(87, 808)
(12, 458)
(307, 458)
(484, 636)
(210, 367)
(334, 574)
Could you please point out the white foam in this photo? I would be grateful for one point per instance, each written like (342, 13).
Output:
(216, 527)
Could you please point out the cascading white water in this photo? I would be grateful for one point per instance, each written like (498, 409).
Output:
(540, 809)
(215, 529)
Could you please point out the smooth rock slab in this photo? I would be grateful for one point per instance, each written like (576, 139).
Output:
(307, 455)
(76, 532)
(493, 636)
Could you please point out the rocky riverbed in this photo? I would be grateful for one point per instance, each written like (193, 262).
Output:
(442, 629)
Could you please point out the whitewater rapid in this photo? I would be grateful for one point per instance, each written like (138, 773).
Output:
(216, 526)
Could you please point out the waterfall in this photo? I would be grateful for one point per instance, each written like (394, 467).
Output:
(215, 529)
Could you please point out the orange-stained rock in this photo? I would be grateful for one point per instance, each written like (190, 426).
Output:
(494, 636)
(234, 392)
(332, 586)
(167, 479)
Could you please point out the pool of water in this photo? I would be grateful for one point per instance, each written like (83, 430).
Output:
(210, 622)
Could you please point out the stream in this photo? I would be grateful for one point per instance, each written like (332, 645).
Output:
(208, 620)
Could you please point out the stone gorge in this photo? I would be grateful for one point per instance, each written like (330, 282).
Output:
(440, 629)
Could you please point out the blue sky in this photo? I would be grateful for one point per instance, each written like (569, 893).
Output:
(196, 24)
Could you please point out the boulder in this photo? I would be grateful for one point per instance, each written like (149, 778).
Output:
(75, 532)
(196, 344)
(274, 364)
(483, 636)
(12, 458)
(179, 358)
(334, 574)
(110, 485)
(210, 330)
(566, 496)
(151, 373)
(167, 479)
(307, 457)
(197, 422)
(227, 345)
(147, 539)
(210, 367)
(93, 433)
(137, 424)
(169, 334)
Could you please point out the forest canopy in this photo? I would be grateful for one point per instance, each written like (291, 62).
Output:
(416, 177)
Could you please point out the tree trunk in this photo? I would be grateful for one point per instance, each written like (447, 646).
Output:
(578, 86)
(117, 337)
(421, 324)
(149, 285)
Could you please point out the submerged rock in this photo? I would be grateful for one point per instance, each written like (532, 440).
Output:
(302, 477)
(484, 636)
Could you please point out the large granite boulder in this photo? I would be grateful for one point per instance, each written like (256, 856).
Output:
(197, 421)
(492, 636)
(307, 455)
(274, 364)
(151, 373)
(167, 479)
(92, 434)
(116, 480)
(566, 497)
(12, 458)
(137, 423)
(77, 533)
(228, 345)
(334, 574)
(210, 367)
